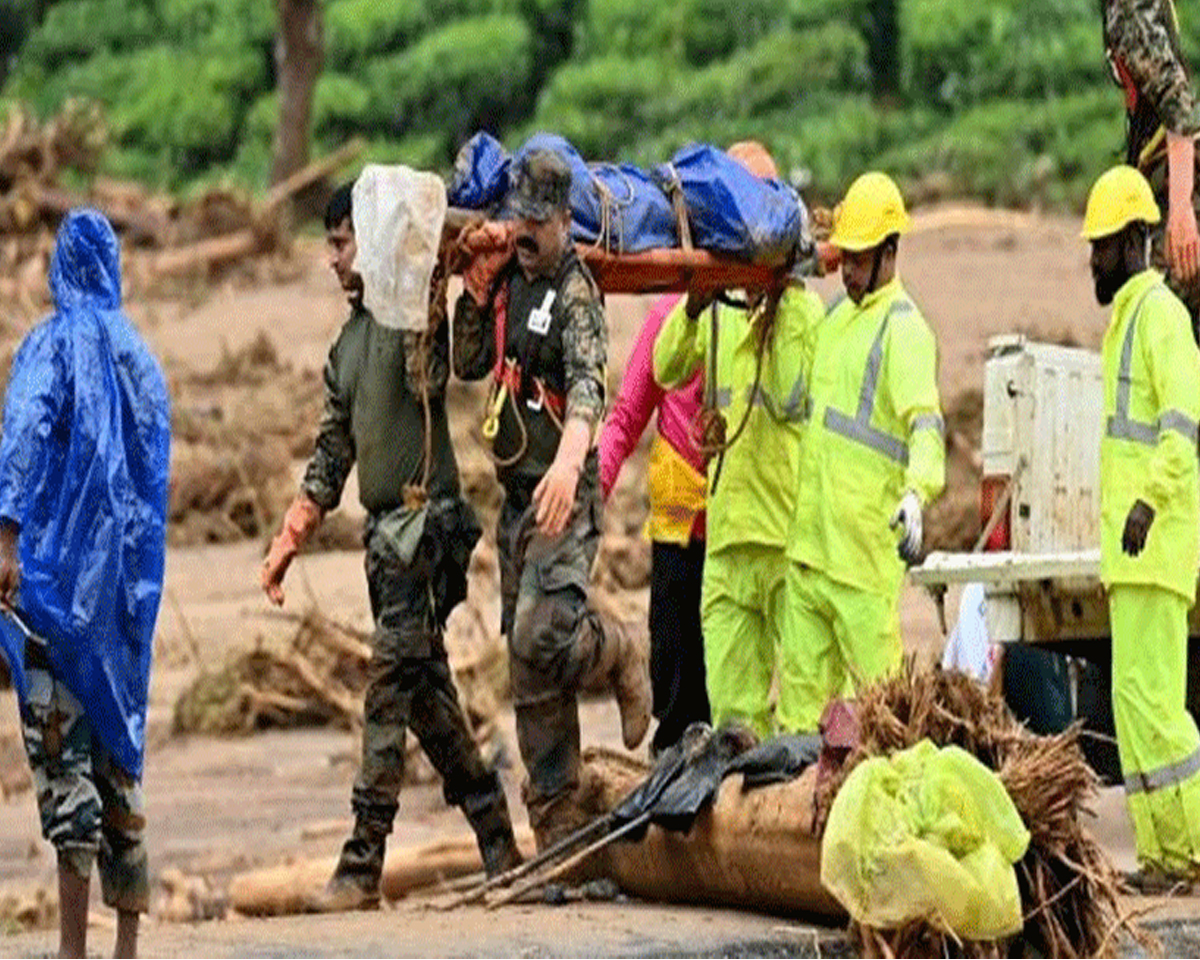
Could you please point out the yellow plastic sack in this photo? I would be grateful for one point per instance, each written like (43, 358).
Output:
(926, 834)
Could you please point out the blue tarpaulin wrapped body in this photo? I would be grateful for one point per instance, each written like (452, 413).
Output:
(83, 473)
(730, 210)
(627, 210)
(480, 178)
(619, 208)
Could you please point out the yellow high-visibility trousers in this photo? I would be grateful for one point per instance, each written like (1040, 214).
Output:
(835, 637)
(741, 609)
(1156, 736)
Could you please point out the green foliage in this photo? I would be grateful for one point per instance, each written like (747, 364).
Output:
(603, 103)
(228, 22)
(714, 29)
(1020, 152)
(357, 28)
(341, 107)
(1009, 100)
(75, 31)
(607, 106)
(696, 32)
(422, 151)
(961, 54)
(469, 74)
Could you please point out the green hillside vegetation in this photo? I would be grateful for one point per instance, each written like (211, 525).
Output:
(1008, 101)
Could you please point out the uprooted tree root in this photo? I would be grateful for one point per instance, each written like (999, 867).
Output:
(318, 677)
(315, 679)
(1069, 889)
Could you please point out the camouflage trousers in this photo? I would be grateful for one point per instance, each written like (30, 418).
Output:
(91, 810)
(554, 634)
(410, 684)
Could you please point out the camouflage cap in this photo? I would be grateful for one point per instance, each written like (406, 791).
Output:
(541, 185)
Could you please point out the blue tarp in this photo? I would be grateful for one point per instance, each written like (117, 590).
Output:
(617, 205)
(480, 178)
(626, 209)
(83, 473)
(730, 210)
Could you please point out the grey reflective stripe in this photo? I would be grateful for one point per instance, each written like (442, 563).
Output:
(929, 421)
(1134, 430)
(867, 435)
(797, 406)
(859, 427)
(724, 396)
(1180, 422)
(1120, 425)
(1168, 776)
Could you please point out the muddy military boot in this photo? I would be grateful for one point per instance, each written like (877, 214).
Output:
(488, 815)
(623, 661)
(355, 881)
(555, 818)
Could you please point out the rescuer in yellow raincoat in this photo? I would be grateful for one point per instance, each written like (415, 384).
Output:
(752, 484)
(1150, 522)
(871, 459)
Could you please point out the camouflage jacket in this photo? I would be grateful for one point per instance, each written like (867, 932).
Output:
(373, 416)
(555, 330)
(1141, 39)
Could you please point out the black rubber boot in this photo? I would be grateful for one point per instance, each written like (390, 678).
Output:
(356, 879)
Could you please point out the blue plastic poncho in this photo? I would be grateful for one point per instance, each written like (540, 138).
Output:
(83, 473)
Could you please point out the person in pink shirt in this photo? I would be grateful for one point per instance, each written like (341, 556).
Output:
(677, 485)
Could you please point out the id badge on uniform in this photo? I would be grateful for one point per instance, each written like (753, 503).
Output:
(539, 317)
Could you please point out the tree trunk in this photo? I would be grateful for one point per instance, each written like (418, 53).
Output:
(299, 56)
(883, 40)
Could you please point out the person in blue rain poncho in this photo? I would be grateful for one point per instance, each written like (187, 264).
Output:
(83, 500)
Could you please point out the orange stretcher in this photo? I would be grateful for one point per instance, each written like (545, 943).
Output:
(667, 270)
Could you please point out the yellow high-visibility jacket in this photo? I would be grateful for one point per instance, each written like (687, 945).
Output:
(1149, 448)
(876, 432)
(754, 497)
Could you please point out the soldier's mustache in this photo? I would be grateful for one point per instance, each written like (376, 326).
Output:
(527, 244)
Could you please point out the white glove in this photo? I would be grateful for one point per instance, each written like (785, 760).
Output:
(907, 519)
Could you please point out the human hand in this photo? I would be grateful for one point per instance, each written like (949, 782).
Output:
(301, 519)
(909, 521)
(488, 246)
(1137, 527)
(829, 259)
(554, 497)
(1183, 242)
(10, 564)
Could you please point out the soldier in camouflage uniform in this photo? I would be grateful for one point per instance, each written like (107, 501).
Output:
(535, 322)
(84, 463)
(418, 545)
(1141, 38)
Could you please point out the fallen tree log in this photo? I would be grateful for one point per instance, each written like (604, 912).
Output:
(288, 889)
(755, 849)
(312, 173)
(139, 226)
(205, 254)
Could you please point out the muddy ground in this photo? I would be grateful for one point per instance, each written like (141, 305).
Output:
(244, 363)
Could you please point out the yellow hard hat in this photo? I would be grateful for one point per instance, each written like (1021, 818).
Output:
(871, 211)
(1120, 197)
